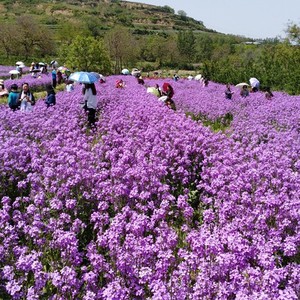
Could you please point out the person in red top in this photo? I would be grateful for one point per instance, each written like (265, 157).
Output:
(167, 90)
(120, 83)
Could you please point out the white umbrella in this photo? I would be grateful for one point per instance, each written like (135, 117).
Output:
(198, 77)
(240, 85)
(136, 73)
(19, 63)
(153, 90)
(14, 72)
(54, 63)
(254, 82)
(22, 66)
(62, 68)
(125, 72)
(102, 77)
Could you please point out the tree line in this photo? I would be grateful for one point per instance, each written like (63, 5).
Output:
(221, 58)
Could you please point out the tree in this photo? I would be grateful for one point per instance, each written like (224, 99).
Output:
(186, 43)
(6, 38)
(204, 47)
(293, 32)
(122, 47)
(33, 39)
(87, 54)
(26, 38)
(69, 30)
(182, 13)
(168, 9)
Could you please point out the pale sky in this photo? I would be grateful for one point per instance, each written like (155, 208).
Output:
(252, 18)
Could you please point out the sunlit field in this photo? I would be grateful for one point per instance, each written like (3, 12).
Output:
(197, 203)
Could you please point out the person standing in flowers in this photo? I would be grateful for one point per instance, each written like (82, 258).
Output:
(69, 86)
(51, 97)
(26, 98)
(205, 82)
(140, 80)
(268, 94)
(170, 104)
(90, 102)
(120, 83)
(169, 93)
(54, 77)
(3, 90)
(244, 92)
(175, 77)
(32, 66)
(228, 92)
(59, 77)
(13, 97)
(167, 90)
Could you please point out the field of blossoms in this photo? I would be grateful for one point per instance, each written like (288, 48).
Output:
(34, 83)
(152, 204)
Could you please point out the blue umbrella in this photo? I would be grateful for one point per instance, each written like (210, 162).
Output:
(83, 77)
(96, 75)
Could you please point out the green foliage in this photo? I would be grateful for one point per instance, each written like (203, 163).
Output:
(219, 124)
(186, 43)
(179, 42)
(87, 54)
(182, 13)
(26, 37)
(168, 9)
(275, 65)
(122, 46)
(293, 32)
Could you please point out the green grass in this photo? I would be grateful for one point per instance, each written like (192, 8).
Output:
(219, 124)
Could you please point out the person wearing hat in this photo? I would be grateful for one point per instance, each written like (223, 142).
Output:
(13, 101)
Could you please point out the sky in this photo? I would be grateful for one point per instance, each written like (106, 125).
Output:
(257, 19)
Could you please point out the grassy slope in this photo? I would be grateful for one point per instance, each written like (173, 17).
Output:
(129, 14)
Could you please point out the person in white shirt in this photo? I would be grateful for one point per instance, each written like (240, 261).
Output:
(26, 98)
(90, 102)
(69, 86)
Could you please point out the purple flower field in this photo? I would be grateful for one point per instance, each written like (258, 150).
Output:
(4, 70)
(153, 204)
(42, 80)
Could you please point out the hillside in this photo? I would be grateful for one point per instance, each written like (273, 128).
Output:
(101, 14)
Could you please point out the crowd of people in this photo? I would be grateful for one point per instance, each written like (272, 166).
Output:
(246, 89)
(24, 100)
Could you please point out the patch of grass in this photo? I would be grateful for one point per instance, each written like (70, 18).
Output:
(219, 124)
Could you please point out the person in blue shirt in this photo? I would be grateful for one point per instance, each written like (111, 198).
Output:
(53, 73)
(244, 92)
(51, 97)
(13, 97)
